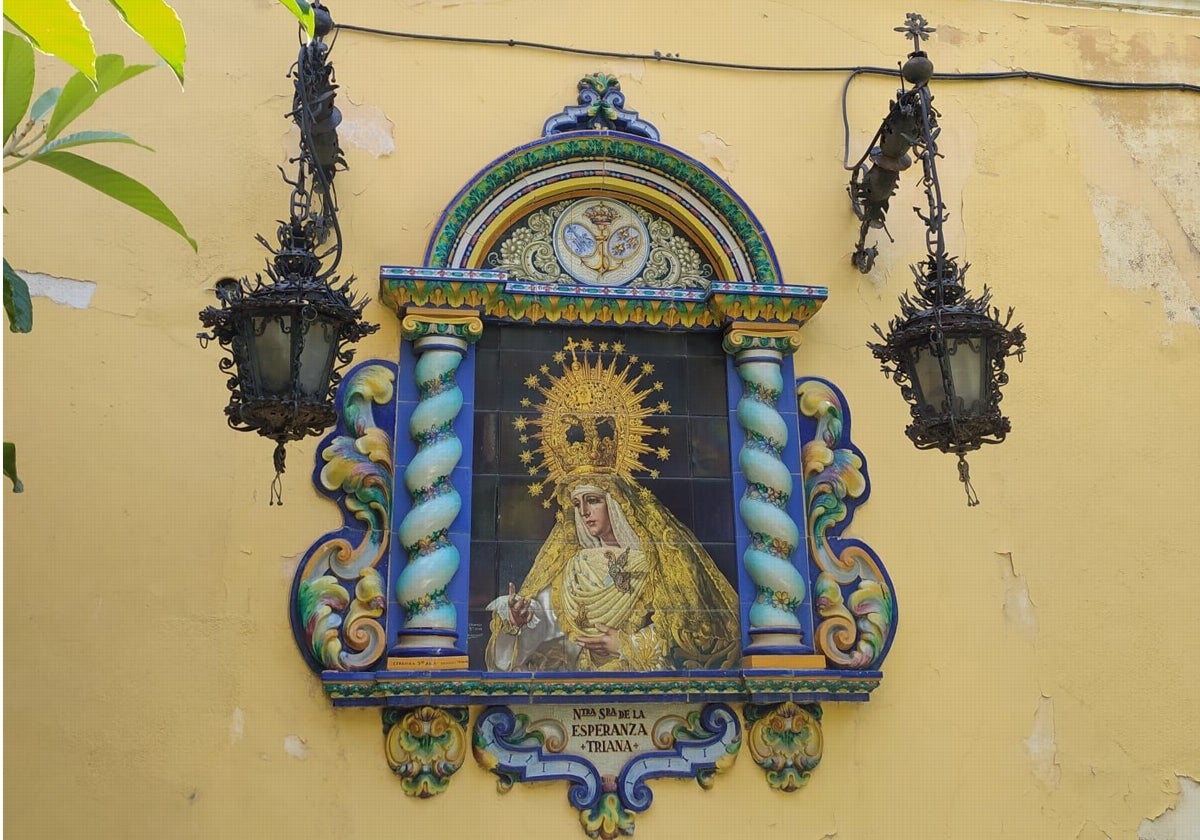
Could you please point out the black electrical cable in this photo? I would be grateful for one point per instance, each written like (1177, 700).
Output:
(769, 68)
(853, 71)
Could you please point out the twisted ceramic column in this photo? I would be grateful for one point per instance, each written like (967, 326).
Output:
(440, 339)
(758, 355)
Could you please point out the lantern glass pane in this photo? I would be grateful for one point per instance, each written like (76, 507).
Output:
(967, 361)
(316, 358)
(271, 355)
(927, 376)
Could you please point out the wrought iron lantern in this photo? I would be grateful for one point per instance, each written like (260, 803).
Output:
(289, 336)
(946, 349)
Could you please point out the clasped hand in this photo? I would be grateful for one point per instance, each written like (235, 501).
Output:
(603, 640)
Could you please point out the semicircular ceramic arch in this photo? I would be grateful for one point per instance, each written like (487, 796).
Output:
(637, 176)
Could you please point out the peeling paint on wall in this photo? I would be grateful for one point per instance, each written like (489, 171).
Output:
(237, 725)
(288, 565)
(1137, 256)
(1042, 747)
(719, 154)
(65, 291)
(1091, 831)
(363, 127)
(296, 747)
(1161, 7)
(627, 70)
(952, 35)
(1160, 143)
(1019, 610)
(1157, 132)
(1181, 820)
(366, 127)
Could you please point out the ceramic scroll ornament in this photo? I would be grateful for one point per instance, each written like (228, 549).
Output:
(785, 740)
(601, 106)
(425, 746)
(852, 592)
(338, 597)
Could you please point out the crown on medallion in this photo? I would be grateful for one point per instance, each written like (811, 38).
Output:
(592, 416)
(601, 215)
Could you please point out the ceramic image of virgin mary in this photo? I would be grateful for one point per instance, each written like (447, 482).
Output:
(620, 584)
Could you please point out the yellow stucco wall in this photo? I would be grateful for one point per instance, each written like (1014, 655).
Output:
(1045, 677)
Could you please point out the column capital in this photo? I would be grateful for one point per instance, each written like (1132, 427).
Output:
(747, 335)
(423, 322)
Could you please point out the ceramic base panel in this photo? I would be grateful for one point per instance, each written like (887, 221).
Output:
(607, 754)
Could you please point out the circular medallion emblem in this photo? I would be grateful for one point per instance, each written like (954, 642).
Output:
(601, 242)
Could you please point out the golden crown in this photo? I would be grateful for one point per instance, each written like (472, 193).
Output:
(592, 416)
(601, 215)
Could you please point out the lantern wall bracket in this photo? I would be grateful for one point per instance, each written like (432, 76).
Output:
(289, 337)
(947, 349)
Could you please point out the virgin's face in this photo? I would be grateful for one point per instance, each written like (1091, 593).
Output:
(593, 512)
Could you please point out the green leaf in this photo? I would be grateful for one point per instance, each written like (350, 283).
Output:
(17, 304)
(10, 467)
(55, 27)
(115, 185)
(79, 94)
(84, 138)
(303, 11)
(18, 81)
(158, 25)
(44, 103)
